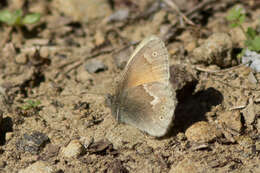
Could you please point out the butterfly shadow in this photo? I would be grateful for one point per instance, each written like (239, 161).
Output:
(192, 108)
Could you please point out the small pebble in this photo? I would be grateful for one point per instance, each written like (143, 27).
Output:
(187, 165)
(119, 15)
(99, 38)
(87, 141)
(38, 167)
(50, 151)
(82, 10)
(73, 149)
(249, 112)
(95, 66)
(201, 132)
(190, 46)
(252, 59)
(215, 50)
(144, 150)
(251, 78)
(199, 146)
(32, 143)
(9, 136)
(181, 136)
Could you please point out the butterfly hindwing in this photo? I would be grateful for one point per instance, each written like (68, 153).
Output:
(149, 107)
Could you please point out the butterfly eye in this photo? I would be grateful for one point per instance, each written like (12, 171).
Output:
(154, 54)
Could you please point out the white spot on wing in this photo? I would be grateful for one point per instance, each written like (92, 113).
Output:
(156, 99)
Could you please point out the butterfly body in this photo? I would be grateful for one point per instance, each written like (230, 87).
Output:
(144, 97)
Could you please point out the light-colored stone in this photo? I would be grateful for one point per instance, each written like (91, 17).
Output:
(86, 141)
(39, 167)
(82, 10)
(201, 132)
(73, 149)
(99, 37)
(187, 165)
(190, 46)
(249, 112)
(215, 50)
(95, 66)
(119, 15)
(9, 136)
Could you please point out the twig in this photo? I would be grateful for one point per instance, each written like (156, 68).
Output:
(73, 67)
(175, 7)
(199, 7)
(219, 71)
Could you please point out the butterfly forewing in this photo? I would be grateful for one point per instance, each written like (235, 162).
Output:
(148, 63)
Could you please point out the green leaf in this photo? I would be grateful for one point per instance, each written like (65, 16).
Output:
(11, 18)
(17, 16)
(30, 104)
(255, 44)
(233, 25)
(18, 13)
(234, 13)
(5, 16)
(31, 18)
(251, 33)
(248, 42)
(242, 18)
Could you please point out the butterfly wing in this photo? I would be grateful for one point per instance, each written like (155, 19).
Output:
(149, 107)
(145, 98)
(148, 63)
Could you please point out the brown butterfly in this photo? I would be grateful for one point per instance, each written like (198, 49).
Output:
(144, 97)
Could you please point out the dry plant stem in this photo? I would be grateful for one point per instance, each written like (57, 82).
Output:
(20, 32)
(175, 7)
(198, 7)
(218, 71)
(170, 33)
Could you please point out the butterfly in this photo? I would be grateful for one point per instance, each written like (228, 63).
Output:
(144, 97)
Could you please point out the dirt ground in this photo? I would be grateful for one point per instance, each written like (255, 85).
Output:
(55, 74)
